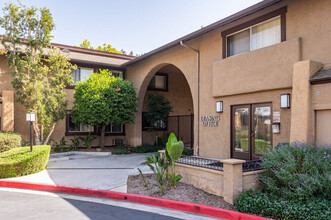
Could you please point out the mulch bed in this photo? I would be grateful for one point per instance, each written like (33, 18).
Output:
(183, 192)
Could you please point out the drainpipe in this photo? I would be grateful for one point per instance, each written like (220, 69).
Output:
(198, 90)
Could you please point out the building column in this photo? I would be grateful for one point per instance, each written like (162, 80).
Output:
(232, 179)
(301, 106)
(7, 117)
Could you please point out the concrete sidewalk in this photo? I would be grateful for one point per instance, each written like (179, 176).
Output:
(96, 171)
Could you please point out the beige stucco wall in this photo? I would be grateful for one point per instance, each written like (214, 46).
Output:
(253, 77)
(206, 179)
(237, 75)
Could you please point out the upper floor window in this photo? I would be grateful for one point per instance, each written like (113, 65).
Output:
(117, 73)
(260, 35)
(263, 31)
(81, 74)
(159, 82)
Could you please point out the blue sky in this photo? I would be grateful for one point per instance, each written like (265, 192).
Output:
(137, 25)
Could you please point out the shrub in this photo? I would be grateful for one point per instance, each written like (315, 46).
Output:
(9, 140)
(188, 152)
(297, 170)
(159, 166)
(147, 148)
(275, 207)
(20, 161)
(123, 149)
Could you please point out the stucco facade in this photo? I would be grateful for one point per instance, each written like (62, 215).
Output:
(197, 82)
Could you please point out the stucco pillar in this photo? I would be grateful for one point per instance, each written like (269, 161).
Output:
(232, 179)
(301, 106)
(7, 116)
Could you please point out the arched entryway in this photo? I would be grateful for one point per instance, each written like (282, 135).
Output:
(169, 81)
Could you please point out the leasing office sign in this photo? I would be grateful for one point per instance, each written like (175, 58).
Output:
(210, 121)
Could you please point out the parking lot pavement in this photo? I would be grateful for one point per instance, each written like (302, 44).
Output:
(31, 204)
(88, 171)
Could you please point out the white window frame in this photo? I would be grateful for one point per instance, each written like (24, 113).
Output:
(80, 78)
(250, 34)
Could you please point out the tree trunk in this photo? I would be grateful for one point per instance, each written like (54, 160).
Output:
(102, 139)
(50, 133)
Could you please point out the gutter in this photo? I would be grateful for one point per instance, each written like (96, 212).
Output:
(198, 90)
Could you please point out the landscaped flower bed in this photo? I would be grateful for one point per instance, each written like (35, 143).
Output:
(295, 184)
(20, 161)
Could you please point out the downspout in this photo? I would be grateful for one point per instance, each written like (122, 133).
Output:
(198, 91)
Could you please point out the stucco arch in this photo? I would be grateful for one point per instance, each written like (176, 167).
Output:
(141, 73)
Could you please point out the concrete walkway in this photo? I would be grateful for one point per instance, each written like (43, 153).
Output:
(94, 171)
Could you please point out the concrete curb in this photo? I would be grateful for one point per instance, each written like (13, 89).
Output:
(165, 203)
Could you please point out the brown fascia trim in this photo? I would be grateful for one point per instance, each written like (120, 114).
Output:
(239, 15)
(320, 81)
(92, 52)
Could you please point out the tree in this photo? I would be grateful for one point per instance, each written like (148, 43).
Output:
(105, 47)
(103, 100)
(39, 78)
(158, 111)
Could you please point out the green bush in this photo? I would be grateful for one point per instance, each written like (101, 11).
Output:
(297, 170)
(188, 152)
(272, 206)
(123, 149)
(9, 140)
(147, 148)
(295, 184)
(20, 161)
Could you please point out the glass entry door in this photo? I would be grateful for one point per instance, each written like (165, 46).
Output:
(251, 130)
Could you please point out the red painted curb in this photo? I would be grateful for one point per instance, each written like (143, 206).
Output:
(165, 203)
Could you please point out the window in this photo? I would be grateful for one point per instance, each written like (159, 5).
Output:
(159, 82)
(263, 31)
(114, 129)
(261, 35)
(72, 127)
(81, 74)
(117, 73)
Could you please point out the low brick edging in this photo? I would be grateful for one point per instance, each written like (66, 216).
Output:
(165, 203)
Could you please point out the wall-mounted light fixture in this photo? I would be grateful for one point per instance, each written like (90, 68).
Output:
(285, 100)
(219, 106)
(276, 127)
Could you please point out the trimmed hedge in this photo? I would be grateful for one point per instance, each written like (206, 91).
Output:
(147, 148)
(9, 140)
(20, 161)
(272, 206)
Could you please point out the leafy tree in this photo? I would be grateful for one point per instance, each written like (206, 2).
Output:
(104, 99)
(158, 111)
(105, 47)
(39, 77)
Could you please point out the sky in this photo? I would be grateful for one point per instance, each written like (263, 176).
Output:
(133, 25)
